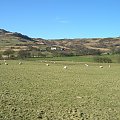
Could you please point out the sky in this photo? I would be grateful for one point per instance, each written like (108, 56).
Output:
(57, 19)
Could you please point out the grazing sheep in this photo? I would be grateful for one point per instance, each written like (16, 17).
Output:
(101, 66)
(20, 63)
(6, 63)
(109, 66)
(47, 64)
(65, 67)
(86, 65)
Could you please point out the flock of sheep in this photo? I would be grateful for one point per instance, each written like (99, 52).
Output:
(5, 62)
(65, 67)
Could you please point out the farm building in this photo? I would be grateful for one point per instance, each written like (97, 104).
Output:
(53, 48)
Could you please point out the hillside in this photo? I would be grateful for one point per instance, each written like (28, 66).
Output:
(18, 41)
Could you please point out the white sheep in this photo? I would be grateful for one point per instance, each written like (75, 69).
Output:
(20, 63)
(65, 67)
(86, 65)
(6, 63)
(109, 66)
(47, 64)
(100, 66)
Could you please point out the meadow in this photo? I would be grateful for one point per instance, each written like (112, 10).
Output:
(71, 58)
(87, 58)
(34, 91)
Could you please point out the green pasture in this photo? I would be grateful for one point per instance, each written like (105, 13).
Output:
(72, 58)
(34, 91)
(88, 58)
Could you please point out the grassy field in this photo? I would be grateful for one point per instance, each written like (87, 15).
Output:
(88, 58)
(72, 58)
(34, 91)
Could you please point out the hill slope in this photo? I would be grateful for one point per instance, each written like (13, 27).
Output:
(17, 40)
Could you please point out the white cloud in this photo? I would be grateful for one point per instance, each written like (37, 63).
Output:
(61, 20)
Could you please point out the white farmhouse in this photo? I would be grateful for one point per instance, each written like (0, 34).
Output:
(53, 48)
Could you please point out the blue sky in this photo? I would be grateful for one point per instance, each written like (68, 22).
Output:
(52, 19)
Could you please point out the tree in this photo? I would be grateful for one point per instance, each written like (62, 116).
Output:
(23, 54)
(8, 52)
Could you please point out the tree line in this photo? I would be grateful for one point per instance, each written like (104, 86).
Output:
(35, 52)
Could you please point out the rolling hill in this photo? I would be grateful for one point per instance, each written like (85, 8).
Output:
(18, 41)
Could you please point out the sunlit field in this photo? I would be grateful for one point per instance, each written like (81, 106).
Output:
(35, 91)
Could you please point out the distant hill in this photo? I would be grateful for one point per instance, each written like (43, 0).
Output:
(19, 41)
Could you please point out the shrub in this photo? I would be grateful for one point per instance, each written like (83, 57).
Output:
(12, 57)
(8, 52)
(23, 54)
(102, 59)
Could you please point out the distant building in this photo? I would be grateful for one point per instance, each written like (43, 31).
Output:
(53, 48)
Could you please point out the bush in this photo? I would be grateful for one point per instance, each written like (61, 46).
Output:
(12, 57)
(23, 54)
(102, 59)
(8, 52)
